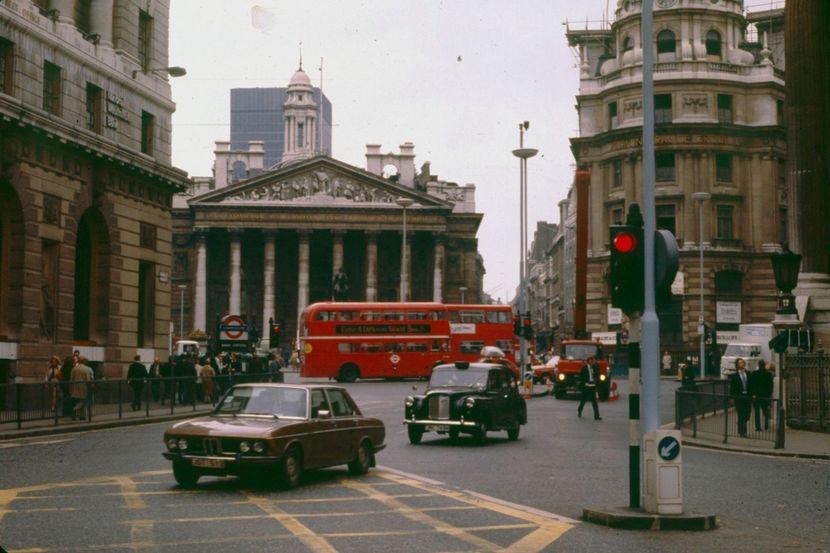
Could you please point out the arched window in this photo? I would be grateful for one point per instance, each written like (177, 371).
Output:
(628, 44)
(713, 44)
(666, 43)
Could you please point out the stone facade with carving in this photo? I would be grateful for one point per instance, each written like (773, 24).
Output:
(268, 246)
(718, 129)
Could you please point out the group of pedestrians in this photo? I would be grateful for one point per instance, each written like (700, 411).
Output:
(71, 385)
(751, 392)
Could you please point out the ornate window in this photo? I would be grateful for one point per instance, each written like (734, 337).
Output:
(666, 218)
(664, 164)
(723, 167)
(662, 108)
(147, 132)
(612, 115)
(94, 108)
(666, 45)
(51, 88)
(145, 39)
(6, 66)
(726, 214)
(725, 108)
(713, 44)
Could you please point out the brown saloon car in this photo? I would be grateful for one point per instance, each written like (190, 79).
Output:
(275, 431)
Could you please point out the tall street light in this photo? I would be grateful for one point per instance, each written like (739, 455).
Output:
(523, 154)
(182, 288)
(701, 197)
(404, 203)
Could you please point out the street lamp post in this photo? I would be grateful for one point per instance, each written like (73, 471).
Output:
(404, 203)
(523, 154)
(462, 289)
(182, 288)
(700, 197)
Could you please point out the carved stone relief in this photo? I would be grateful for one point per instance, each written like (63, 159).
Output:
(315, 188)
(695, 103)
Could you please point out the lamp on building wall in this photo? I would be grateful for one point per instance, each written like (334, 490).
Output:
(523, 154)
(701, 197)
(173, 71)
(404, 203)
(785, 267)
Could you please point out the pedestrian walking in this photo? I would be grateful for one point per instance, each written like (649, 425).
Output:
(739, 392)
(168, 385)
(136, 379)
(760, 388)
(54, 376)
(588, 376)
(82, 382)
(207, 375)
(155, 384)
(666, 361)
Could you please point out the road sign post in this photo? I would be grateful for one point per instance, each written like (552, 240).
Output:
(663, 472)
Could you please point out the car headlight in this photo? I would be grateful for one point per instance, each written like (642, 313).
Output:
(244, 447)
(172, 443)
(469, 402)
(182, 443)
(602, 378)
(259, 447)
(409, 401)
(561, 376)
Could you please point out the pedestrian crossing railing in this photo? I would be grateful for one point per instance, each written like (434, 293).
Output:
(112, 399)
(706, 411)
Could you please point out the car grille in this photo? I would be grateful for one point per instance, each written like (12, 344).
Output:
(439, 407)
(213, 447)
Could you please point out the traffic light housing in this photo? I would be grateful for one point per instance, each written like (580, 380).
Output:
(517, 325)
(626, 274)
(274, 335)
(527, 327)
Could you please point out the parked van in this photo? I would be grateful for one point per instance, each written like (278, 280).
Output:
(752, 346)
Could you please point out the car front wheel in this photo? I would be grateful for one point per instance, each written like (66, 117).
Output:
(481, 434)
(362, 461)
(513, 433)
(291, 468)
(184, 474)
(415, 433)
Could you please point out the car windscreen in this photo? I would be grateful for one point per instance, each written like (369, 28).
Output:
(580, 351)
(458, 378)
(270, 401)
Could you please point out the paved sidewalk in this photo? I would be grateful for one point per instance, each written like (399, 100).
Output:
(797, 443)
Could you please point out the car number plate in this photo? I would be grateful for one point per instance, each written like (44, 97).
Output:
(209, 463)
(438, 427)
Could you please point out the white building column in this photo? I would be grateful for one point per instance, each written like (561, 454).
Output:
(101, 21)
(302, 280)
(371, 265)
(438, 270)
(269, 260)
(200, 293)
(337, 250)
(235, 298)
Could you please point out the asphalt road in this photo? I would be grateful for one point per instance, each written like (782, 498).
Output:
(111, 490)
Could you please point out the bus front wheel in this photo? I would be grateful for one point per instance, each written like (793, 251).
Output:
(348, 373)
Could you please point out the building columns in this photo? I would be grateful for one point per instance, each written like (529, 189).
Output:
(269, 257)
(302, 277)
(438, 271)
(371, 266)
(235, 299)
(101, 21)
(200, 292)
(337, 251)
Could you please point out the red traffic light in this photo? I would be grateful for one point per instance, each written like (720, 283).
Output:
(625, 242)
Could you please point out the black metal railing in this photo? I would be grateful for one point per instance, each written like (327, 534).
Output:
(114, 399)
(807, 377)
(707, 411)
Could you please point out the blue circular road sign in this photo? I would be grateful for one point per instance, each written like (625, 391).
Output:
(668, 448)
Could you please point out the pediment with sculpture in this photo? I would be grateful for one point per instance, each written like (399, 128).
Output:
(317, 186)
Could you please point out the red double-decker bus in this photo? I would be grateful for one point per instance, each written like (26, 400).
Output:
(347, 341)
(474, 326)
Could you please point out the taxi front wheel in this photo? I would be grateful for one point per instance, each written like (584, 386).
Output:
(415, 433)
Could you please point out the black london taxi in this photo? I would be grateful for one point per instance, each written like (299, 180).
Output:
(472, 398)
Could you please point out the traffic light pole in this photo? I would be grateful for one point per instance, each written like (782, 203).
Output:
(634, 412)
(650, 341)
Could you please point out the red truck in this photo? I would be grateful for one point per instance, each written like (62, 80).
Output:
(572, 356)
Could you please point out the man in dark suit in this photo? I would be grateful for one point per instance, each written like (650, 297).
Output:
(136, 376)
(588, 378)
(760, 388)
(739, 392)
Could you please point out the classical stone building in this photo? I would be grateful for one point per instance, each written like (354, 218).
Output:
(86, 183)
(719, 129)
(267, 246)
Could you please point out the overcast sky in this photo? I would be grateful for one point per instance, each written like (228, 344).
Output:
(455, 77)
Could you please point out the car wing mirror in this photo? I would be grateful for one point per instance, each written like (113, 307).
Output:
(323, 414)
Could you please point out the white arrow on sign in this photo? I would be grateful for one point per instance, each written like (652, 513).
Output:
(666, 451)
